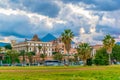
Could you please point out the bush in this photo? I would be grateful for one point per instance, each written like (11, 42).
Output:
(101, 57)
(116, 53)
(89, 62)
(58, 56)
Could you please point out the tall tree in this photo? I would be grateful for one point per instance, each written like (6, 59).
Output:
(30, 56)
(116, 52)
(66, 37)
(13, 55)
(84, 51)
(8, 46)
(76, 58)
(0, 56)
(43, 56)
(109, 43)
(0, 50)
(39, 48)
(58, 56)
(22, 53)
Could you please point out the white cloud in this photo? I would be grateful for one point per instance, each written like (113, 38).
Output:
(82, 30)
(8, 39)
(89, 38)
(92, 29)
(33, 17)
(107, 21)
(80, 20)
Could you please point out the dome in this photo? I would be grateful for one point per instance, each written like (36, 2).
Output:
(35, 38)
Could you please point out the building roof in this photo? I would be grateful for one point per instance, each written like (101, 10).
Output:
(35, 38)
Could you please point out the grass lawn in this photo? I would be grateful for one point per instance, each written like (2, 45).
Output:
(61, 73)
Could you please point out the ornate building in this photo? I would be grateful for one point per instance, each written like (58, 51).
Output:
(33, 46)
(47, 47)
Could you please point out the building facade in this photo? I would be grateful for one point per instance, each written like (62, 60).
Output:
(33, 46)
(46, 47)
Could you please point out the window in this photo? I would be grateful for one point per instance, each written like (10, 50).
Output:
(30, 49)
(49, 54)
(49, 49)
(40, 44)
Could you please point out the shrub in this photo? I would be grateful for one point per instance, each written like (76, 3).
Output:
(101, 57)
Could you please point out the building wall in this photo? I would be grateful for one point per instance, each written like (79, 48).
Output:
(47, 48)
(95, 48)
(33, 46)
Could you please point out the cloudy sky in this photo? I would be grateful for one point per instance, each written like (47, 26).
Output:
(90, 20)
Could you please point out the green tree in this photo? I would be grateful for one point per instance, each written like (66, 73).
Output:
(0, 56)
(58, 56)
(66, 37)
(39, 47)
(30, 56)
(22, 53)
(101, 57)
(0, 50)
(116, 52)
(84, 51)
(8, 46)
(108, 43)
(43, 56)
(76, 56)
(13, 55)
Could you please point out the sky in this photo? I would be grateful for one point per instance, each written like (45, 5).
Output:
(90, 20)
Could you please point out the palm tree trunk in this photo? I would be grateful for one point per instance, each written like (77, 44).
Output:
(109, 59)
(84, 61)
(23, 58)
(68, 58)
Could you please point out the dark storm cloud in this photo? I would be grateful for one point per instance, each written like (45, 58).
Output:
(44, 7)
(15, 25)
(48, 8)
(108, 30)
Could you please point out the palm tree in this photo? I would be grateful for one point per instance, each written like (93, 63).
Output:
(58, 56)
(13, 54)
(84, 51)
(108, 43)
(76, 58)
(30, 56)
(43, 56)
(66, 37)
(0, 56)
(22, 53)
(39, 47)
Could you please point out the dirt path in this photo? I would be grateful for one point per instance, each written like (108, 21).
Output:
(53, 70)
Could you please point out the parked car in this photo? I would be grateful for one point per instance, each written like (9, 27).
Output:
(81, 63)
(52, 63)
(18, 64)
(117, 62)
(6, 65)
